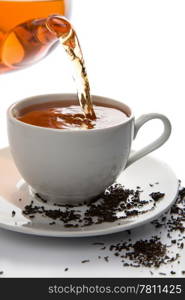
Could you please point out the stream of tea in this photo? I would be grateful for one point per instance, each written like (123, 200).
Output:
(69, 40)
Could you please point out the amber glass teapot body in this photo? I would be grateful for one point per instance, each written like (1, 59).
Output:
(22, 41)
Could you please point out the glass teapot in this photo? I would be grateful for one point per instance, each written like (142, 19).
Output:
(24, 35)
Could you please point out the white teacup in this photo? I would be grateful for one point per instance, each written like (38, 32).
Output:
(70, 166)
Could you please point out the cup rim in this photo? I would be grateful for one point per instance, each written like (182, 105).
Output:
(11, 117)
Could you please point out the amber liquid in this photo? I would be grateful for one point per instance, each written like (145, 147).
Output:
(13, 13)
(68, 115)
(69, 40)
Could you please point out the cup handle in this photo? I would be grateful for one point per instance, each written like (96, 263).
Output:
(154, 145)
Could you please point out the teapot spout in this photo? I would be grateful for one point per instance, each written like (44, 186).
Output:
(59, 26)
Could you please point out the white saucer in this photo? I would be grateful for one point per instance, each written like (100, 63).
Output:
(143, 173)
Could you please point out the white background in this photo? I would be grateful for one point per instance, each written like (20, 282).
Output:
(135, 53)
